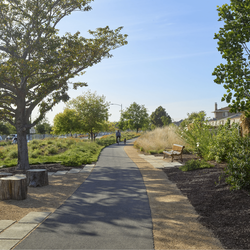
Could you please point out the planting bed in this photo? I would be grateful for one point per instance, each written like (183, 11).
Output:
(225, 212)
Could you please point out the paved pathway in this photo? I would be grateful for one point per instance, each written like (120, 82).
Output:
(110, 210)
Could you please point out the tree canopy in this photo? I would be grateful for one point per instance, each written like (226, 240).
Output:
(194, 116)
(160, 118)
(135, 117)
(233, 43)
(92, 111)
(36, 64)
(67, 122)
(43, 127)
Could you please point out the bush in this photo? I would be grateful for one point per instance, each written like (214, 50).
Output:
(238, 167)
(13, 155)
(223, 142)
(197, 135)
(195, 164)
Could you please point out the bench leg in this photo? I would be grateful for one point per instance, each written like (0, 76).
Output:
(172, 158)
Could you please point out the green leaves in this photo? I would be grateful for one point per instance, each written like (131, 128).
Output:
(160, 117)
(233, 39)
(134, 117)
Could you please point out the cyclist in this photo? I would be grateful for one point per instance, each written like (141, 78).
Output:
(118, 135)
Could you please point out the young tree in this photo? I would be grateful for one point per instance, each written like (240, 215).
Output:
(160, 117)
(233, 41)
(67, 122)
(36, 63)
(92, 111)
(4, 130)
(43, 127)
(134, 117)
(194, 116)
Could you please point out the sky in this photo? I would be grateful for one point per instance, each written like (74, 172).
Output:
(168, 61)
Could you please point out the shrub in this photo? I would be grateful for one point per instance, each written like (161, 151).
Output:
(195, 164)
(223, 142)
(13, 154)
(34, 155)
(238, 168)
(52, 150)
(197, 135)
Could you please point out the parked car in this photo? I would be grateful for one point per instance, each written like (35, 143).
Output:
(9, 138)
(14, 140)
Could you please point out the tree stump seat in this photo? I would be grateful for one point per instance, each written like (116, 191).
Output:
(37, 177)
(4, 174)
(13, 187)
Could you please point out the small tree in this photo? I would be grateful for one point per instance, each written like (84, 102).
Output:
(36, 64)
(67, 122)
(6, 128)
(160, 117)
(233, 43)
(43, 128)
(92, 112)
(194, 116)
(134, 117)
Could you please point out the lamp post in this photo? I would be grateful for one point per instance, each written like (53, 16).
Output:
(117, 104)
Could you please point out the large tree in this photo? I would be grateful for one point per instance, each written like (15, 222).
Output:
(36, 63)
(135, 117)
(160, 117)
(233, 43)
(92, 111)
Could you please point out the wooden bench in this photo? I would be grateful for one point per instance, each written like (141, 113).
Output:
(176, 151)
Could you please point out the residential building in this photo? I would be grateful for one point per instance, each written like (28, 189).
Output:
(222, 115)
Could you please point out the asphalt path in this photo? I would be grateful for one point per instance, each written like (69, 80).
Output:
(110, 210)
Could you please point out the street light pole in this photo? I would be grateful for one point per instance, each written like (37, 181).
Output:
(118, 105)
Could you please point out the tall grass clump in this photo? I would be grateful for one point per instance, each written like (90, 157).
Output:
(159, 139)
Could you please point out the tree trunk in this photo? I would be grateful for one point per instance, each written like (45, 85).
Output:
(23, 163)
(37, 177)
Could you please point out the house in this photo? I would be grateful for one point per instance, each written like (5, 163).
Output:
(222, 115)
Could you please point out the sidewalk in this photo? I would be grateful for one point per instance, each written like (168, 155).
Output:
(110, 210)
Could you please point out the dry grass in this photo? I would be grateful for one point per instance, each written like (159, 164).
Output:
(159, 139)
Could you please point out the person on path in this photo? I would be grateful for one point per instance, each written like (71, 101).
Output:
(118, 135)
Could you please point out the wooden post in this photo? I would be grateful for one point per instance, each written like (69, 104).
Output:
(13, 187)
(37, 177)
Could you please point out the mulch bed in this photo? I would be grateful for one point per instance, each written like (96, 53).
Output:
(225, 212)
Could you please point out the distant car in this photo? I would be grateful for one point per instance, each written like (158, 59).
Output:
(62, 136)
(14, 140)
(9, 138)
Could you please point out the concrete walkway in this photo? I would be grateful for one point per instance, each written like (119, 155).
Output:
(110, 210)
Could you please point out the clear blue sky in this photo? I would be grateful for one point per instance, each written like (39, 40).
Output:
(168, 61)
